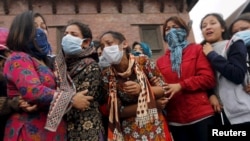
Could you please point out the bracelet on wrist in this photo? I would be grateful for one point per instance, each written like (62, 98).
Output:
(164, 88)
(122, 109)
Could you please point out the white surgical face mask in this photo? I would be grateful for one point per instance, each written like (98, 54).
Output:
(103, 62)
(72, 45)
(244, 35)
(112, 54)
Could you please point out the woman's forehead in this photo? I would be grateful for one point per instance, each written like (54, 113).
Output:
(108, 38)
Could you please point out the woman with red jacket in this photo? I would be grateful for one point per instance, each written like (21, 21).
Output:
(188, 75)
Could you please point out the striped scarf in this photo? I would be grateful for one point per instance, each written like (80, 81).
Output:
(176, 39)
(146, 109)
(62, 98)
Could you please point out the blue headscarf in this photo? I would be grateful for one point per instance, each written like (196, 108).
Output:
(146, 49)
(176, 39)
(42, 43)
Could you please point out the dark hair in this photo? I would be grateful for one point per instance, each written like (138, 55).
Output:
(145, 48)
(22, 32)
(85, 30)
(96, 44)
(2, 53)
(222, 22)
(117, 35)
(134, 44)
(243, 17)
(177, 20)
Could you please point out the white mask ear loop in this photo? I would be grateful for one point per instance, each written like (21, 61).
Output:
(3, 57)
(222, 119)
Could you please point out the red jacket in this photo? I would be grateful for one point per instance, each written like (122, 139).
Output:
(197, 76)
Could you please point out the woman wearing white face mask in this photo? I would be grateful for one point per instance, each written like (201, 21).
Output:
(84, 70)
(131, 98)
(242, 23)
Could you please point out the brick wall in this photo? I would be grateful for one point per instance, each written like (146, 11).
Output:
(108, 19)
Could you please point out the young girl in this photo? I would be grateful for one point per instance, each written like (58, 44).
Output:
(229, 62)
(240, 24)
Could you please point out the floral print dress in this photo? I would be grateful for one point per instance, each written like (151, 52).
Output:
(35, 83)
(157, 131)
(85, 125)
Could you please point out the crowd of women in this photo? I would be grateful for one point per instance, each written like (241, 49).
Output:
(105, 90)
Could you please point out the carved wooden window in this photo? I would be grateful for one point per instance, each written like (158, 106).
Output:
(151, 34)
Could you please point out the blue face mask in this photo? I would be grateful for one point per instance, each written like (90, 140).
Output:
(136, 53)
(42, 43)
(175, 36)
(72, 45)
(176, 39)
(244, 35)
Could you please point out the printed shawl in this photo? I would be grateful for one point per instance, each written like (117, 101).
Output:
(62, 98)
(146, 109)
(76, 63)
